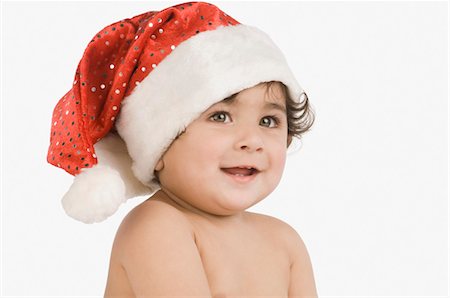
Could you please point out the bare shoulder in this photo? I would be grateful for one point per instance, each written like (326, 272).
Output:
(142, 221)
(143, 224)
(302, 283)
(155, 244)
(281, 230)
(150, 212)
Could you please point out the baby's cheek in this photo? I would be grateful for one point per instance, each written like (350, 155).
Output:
(280, 162)
(212, 148)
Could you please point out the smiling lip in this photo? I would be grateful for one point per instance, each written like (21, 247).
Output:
(242, 178)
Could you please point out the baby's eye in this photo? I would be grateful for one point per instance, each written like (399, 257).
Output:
(219, 116)
(269, 121)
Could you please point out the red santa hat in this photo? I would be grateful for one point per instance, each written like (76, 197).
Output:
(139, 83)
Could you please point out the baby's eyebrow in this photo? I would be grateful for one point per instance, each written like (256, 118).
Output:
(273, 105)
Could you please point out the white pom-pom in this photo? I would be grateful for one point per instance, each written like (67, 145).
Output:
(95, 194)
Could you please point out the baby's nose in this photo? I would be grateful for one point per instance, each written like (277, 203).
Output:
(249, 140)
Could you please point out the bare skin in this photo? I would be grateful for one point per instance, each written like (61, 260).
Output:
(194, 237)
(249, 255)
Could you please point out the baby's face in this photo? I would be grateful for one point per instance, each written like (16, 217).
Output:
(199, 167)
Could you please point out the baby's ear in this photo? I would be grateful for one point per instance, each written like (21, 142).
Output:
(160, 165)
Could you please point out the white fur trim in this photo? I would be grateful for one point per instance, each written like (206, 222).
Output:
(97, 192)
(201, 71)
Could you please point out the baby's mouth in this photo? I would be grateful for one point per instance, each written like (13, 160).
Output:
(240, 171)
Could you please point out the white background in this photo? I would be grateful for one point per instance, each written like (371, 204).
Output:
(367, 191)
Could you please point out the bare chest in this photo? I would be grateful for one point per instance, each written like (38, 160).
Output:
(242, 260)
(247, 262)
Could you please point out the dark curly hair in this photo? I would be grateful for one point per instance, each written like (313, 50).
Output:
(300, 114)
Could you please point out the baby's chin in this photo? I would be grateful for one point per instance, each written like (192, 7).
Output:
(233, 207)
(214, 205)
(224, 216)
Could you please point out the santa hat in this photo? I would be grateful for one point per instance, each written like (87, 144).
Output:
(140, 82)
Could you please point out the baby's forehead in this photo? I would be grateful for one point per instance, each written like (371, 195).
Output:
(264, 102)
(264, 91)
(269, 100)
(264, 96)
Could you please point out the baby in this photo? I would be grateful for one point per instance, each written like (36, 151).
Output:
(208, 107)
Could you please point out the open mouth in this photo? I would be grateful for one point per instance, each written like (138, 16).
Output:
(241, 171)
